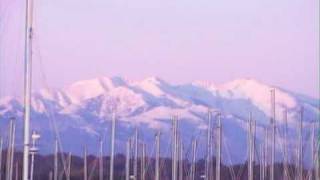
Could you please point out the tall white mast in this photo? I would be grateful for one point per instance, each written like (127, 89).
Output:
(27, 87)
(33, 150)
(157, 166)
(300, 167)
(55, 163)
(209, 135)
(273, 135)
(250, 148)
(135, 160)
(193, 164)
(10, 152)
(113, 134)
(101, 160)
(85, 164)
(285, 144)
(128, 159)
(265, 153)
(69, 167)
(174, 149)
(143, 162)
(219, 139)
(50, 175)
(1, 148)
(261, 161)
(312, 147)
(316, 171)
(17, 171)
(180, 158)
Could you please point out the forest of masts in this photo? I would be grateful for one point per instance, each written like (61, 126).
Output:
(137, 163)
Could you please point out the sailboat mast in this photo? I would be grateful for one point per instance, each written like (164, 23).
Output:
(9, 151)
(316, 155)
(180, 154)
(69, 167)
(219, 139)
(17, 171)
(312, 151)
(174, 149)
(261, 150)
(1, 148)
(135, 160)
(300, 168)
(157, 166)
(27, 87)
(128, 160)
(101, 160)
(193, 165)
(250, 167)
(55, 163)
(209, 135)
(113, 133)
(12, 150)
(273, 135)
(85, 164)
(286, 172)
(143, 162)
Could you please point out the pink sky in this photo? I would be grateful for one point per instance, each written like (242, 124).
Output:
(275, 41)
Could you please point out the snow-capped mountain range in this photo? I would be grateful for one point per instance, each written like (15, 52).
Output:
(81, 112)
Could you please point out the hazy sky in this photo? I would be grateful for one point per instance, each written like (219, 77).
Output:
(275, 41)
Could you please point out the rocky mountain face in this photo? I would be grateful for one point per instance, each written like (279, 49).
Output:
(80, 114)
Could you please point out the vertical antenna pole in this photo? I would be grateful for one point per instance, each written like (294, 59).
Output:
(250, 148)
(157, 166)
(285, 144)
(174, 148)
(266, 157)
(85, 164)
(69, 167)
(12, 150)
(17, 171)
(9, 151)
(180, 159)
(300, 166)
(143, 162)
(261, 160)
(55, 168)
(273, 135)
(312, 152)
(50, 175)
(135, 164)
(209, 135)
(32, 152)
(1, 148)
(193, 165)
(219, 139)
(113, 133)
(101, 160)
(128, 160)
(27, 87)
(316, 171)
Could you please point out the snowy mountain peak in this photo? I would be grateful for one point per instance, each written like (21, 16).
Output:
(155, 80)
(82, 109)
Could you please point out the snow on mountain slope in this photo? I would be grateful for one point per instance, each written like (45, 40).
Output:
(82, 111)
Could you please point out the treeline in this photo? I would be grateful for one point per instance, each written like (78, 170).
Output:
(43, 168)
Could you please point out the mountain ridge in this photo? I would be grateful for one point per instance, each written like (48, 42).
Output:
(84, 109)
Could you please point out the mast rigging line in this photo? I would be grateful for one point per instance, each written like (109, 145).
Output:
(48, 110)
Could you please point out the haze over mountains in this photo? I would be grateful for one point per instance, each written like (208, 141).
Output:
(81, 113)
